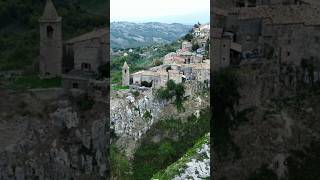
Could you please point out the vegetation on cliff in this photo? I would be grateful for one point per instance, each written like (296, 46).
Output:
(175, 137)
(172, 90)
(174, 169)
(226, 96)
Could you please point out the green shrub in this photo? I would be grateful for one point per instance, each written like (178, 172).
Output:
(172, 90)
(136, 93)
(120, 165)
(147, 115)
(31, 82)
(117, 87)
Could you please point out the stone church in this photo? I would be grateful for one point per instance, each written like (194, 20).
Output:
(76, 60)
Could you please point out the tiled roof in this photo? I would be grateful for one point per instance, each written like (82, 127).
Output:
(99, 33)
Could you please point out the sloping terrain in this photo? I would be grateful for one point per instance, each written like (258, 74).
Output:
(194, 164)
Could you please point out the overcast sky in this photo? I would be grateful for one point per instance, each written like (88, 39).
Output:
(168, 11)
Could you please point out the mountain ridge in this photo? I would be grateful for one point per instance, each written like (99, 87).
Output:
(124, 34)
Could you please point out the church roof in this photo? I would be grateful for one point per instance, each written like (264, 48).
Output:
(99, 33)
(50, 13)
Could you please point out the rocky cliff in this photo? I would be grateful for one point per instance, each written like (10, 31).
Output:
(52, 134)
(279, 117)
(132, 117)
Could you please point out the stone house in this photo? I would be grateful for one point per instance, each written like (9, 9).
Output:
(201, 72)
(174, 60)
(186, 70)
(89, 50)
(176, 75)
(186, 46)
(157, 78)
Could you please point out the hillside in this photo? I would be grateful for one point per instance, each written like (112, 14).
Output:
(19, 33)
(195, 163)
(130, 35)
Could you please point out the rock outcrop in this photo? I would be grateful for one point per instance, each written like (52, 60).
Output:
(132, 117)
(45, 135)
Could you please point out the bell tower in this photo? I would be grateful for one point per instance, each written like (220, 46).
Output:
(51, 48)
(125, 75)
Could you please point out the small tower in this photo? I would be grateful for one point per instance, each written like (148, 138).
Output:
(125, 75)
(51, 48)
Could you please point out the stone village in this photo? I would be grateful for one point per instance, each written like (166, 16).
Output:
(78, 60)
(180, 66)
(192, 69)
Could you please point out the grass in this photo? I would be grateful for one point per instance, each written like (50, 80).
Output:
(30, 82)
(119, 87)
(120, 166)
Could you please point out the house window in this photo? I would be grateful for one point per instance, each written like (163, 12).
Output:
(288, 53)
(75, 85)
(316, 39)
(49, 31)
(86, 66)
(289, 41)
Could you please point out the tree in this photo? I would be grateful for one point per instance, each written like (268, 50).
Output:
(188, 37)
(171, 85)
(157, 62)
(195, 47)
(179, 91)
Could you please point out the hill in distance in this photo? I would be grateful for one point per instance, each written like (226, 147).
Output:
(130, 35)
